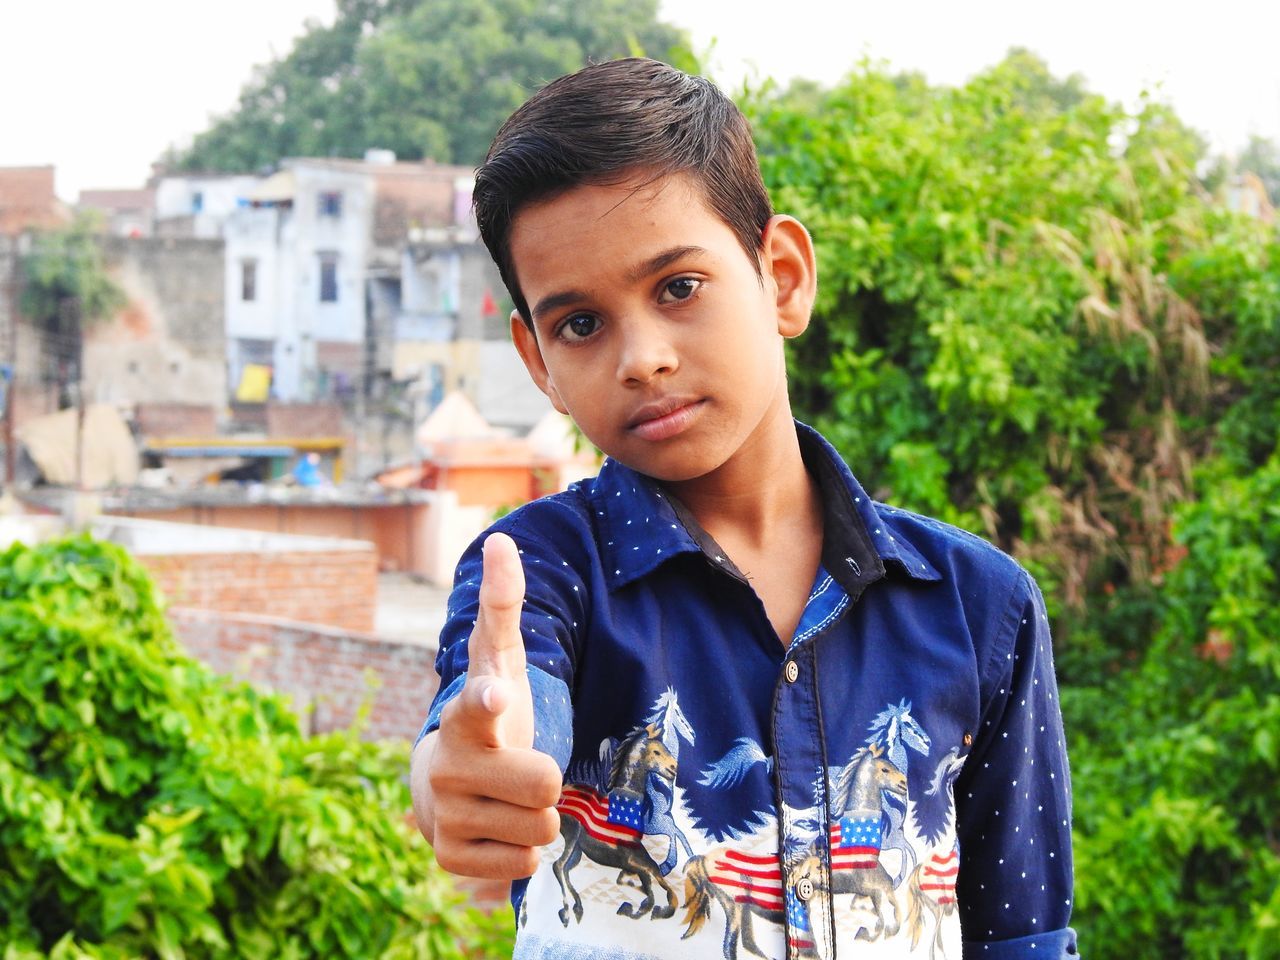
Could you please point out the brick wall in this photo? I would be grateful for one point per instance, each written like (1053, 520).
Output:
(176, 420)
(304, 420)
(336, 588)
(27, 200)
(329, 673)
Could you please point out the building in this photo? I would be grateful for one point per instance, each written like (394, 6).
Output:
(28, 201)
(124, 213)
(348, 277)
(28, 204)
(197, 204)
(450, 335)
(295, 273)
(166, 346)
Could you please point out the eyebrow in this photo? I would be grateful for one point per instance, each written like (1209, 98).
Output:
(660, 262)
(635, 274)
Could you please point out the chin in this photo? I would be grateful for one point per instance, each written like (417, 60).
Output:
(675, 468)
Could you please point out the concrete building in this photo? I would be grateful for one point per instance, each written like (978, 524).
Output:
(166, 346)
(296, 261)
(450, 335)
(366, 276)
(198, 204)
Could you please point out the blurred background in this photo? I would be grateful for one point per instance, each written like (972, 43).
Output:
(250, 342)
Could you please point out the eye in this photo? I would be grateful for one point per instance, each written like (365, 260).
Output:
(578, 327)
(681, 288)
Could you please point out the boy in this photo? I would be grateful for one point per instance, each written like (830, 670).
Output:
(716, 699)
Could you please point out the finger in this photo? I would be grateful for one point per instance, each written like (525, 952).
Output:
(474, 717)
(496, 648)
(526, 778)
(484, 819)
(487, 859)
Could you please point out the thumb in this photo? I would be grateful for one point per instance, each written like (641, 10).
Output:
(496, 648)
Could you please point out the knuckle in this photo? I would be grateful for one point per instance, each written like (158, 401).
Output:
(526, 862)
(547, 827)
(450, 717)
(446, 828)
(546, 784)
(544, 792)
(443, 777)
(448, 858)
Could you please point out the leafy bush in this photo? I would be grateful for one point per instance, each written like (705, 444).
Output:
(1176, 756)
(1024, 293)
(151, 808)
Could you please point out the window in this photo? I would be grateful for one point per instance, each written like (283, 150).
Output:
(331, 204)
(248, 280)
(328, 278)
(197, 201)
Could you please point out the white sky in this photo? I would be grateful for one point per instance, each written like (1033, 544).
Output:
(100, 89)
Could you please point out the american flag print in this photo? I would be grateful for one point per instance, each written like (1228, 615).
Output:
(752, 878)
(855, 843)
(799, 931)
(614, 819)
(939, 879)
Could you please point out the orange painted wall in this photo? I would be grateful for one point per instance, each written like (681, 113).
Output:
(488, 485)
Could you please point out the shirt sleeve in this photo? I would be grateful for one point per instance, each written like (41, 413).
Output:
(1013, 801)
(553, 609)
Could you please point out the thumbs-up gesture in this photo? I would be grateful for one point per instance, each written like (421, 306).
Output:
(489, 797)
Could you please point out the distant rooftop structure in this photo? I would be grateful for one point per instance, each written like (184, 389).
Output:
(455, 418)
(28, 201)
(410, 198)
(128, 212)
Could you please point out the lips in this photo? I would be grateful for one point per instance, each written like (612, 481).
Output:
(665, 418)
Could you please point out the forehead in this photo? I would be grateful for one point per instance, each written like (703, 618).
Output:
(597, 232)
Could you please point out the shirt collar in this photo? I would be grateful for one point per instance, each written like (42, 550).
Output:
(641, 526)
(852, 518)
(637, 523)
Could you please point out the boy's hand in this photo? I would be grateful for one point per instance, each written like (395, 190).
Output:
(492, 796)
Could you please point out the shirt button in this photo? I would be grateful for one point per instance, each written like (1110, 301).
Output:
(791, 671)
(804, 888)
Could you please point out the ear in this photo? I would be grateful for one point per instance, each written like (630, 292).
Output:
(526, 342)
(787, 257)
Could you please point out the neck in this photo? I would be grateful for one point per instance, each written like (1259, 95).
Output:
(763, 489)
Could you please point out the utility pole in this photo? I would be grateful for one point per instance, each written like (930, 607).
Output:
(12, 268)
(78, 348)
(10, 357)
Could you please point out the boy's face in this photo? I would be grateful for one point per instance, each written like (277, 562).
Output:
(652, 328)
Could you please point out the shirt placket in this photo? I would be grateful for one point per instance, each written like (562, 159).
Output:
(801, 783)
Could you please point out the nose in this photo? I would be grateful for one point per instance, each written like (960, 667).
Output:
(647, 352)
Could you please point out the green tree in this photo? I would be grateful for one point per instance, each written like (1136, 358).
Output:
(997, 340)
(65, 286)
(433, 78)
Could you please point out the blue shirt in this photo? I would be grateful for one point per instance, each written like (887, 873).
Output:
(892, 779)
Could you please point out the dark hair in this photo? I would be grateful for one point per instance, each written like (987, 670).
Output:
(606, 123)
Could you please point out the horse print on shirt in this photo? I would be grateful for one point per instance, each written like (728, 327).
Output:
(877, 847)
